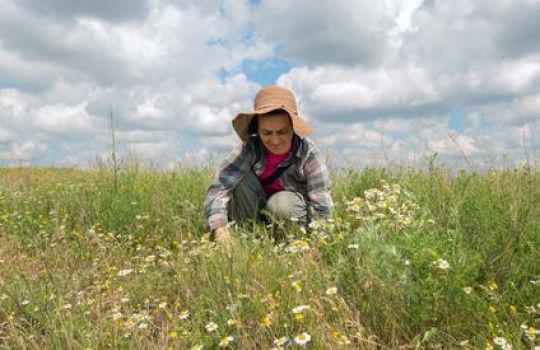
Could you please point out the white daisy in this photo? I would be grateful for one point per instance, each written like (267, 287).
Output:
(300, 308)
(210, 327)
(302, 339)
(225, 341)
(467, 290)
(331, 291)
(183, 315)
(124, 273)
(281, 341)
(441, 264)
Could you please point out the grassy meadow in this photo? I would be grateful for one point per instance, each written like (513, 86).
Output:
(412, 260)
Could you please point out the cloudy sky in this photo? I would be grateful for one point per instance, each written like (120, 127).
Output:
(382, 82)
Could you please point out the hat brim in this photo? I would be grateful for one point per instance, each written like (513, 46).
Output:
(242, 121)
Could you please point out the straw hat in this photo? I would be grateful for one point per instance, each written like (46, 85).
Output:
(269, 99)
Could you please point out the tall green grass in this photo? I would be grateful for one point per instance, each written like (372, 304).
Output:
(87, 264)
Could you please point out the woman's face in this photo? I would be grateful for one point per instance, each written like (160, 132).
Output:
(276, 132)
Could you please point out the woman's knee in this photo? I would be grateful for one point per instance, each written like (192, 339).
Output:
(285, 205)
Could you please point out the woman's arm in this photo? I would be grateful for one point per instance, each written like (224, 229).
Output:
(218, 195)
(318, 185)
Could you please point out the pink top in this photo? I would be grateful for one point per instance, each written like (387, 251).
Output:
(272, 162)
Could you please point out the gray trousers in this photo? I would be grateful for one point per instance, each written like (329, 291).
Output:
(250, 202)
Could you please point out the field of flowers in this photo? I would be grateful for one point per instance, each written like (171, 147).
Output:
(411, 260)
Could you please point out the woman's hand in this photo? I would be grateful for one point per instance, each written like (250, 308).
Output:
(222, 234)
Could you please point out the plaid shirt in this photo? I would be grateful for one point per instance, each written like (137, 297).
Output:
(307, 175)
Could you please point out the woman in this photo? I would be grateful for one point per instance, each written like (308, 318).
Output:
(276, 168)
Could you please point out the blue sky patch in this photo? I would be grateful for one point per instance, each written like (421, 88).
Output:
(456, 120)
(267, 71)
(263, 72)
(6, 84)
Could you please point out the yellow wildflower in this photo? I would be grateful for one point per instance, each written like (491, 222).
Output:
(297, 286)
(267, 320)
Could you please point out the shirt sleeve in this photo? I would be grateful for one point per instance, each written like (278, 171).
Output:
(318, 186)
(229, 174)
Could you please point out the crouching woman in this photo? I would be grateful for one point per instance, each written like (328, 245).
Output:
(276, 169)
